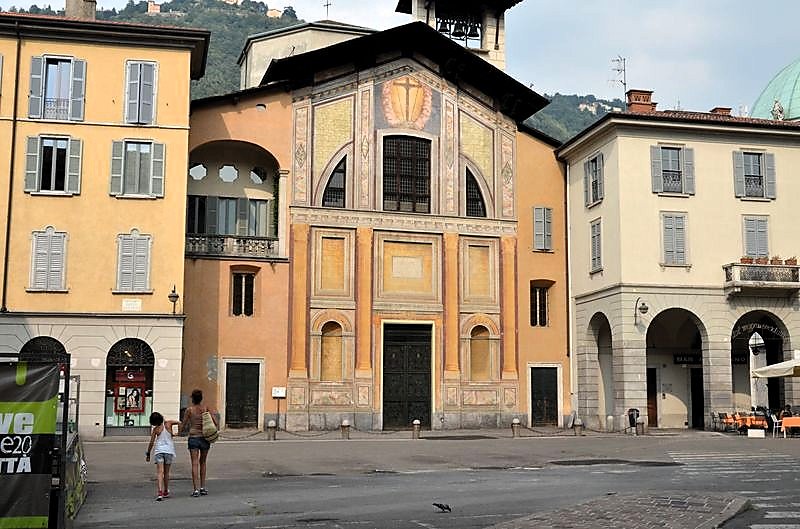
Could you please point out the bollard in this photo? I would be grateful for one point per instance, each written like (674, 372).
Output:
(271, 427)
(610, 423)
(415, 429)
(640, 426)
(578, 425)
(345, 429)
(515, 427)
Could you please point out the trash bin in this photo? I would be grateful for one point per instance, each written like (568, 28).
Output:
(633, 414)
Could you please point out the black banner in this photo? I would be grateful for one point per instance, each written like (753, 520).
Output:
(28, 411)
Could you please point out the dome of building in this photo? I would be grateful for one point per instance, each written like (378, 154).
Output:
(785, 88)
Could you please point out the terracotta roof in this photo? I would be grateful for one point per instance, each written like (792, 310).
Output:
(59, 18)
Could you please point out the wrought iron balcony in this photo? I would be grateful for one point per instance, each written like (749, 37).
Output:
(764, 277)
(207, 245)
(56, 108)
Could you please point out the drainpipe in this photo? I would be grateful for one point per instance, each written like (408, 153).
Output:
(573, 375)
(3, 306)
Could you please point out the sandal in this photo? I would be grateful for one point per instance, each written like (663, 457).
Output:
(196, 494)
(203, 491)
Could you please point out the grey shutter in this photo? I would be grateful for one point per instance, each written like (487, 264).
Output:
(680, 239)
(548, 229)
(656, 174)
(241, 217)
(211, 215)
(750, 241)
(141, 263)
(147, 93)
(32, 164)
(74, 166)
(55, 265)
(762, 238)
(40, 260)
(538, 229)
(132, 104)
(599, 246)
(669, 239)
(125, 263)
(36, 87)
(687, 155)
(587, 193)
(78, 93)
(157, 175)
(738, 173)
(117, 167)
(600, 177)
(769, 191)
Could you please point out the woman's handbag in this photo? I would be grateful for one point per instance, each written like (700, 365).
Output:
(210, 432)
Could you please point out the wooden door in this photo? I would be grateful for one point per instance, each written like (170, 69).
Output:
(652, 397)
(241, 395)
(544, 396)
(406, 375)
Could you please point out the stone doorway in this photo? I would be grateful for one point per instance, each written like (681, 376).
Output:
(406, 375)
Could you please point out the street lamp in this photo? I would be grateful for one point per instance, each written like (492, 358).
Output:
(639, 308)
(173, 298)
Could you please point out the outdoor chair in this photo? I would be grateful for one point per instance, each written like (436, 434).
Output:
(728, 423)
(776, 425)
(714, 421)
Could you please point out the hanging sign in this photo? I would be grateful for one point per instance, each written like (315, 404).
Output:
(688, 358)
(28, 409)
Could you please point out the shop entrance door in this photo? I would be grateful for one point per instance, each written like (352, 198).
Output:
(241, 395)
(406, 375)
(544, 396)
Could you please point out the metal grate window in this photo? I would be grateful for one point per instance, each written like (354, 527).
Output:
(475, 205)
(406, 174)
(334, 192)
(243, 294)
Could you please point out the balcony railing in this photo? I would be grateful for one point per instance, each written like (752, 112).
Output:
(673, 182)
(739, 277)
(56, 108)
(231, 246)
(753, 186)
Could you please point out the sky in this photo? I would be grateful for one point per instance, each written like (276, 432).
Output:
(694, 54)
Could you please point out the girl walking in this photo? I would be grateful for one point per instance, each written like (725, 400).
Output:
(163, 449)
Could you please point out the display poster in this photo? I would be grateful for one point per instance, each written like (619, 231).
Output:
(28, 411)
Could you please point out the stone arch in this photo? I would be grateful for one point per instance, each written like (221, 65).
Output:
(321, 181)
(482, 320)
(42, 349)
(325, 316)
(129, 386)
(595, 370)
(484, 185)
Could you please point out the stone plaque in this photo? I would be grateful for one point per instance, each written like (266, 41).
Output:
(331, 398)
(363, 395)
(452, 396)
(406, 267)
(297, 396)
(480, 397)
(509, 396)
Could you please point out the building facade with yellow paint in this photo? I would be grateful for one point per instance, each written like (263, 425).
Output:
(414, 227)
(94, 185)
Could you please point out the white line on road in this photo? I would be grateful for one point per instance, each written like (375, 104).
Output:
(782, 514)
(775, 526)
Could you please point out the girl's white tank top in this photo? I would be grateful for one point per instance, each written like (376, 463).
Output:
(164, 443)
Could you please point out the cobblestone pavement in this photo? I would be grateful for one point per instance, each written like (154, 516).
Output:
(666, 510)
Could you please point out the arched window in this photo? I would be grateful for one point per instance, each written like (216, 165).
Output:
(330, 365)
(406, 174)
(480, 360)
(42, 349)
(475, 204)
(333, 197)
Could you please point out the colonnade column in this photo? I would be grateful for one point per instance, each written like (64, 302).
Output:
(508, 309)
(629, 360)
(298, 366)
(451, 333)
(717, 378)
(364, 302)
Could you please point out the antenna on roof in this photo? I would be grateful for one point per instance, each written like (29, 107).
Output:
(327, 5)
(622, 78)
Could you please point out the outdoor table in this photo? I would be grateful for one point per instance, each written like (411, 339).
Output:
(789, 422)
(751, 421)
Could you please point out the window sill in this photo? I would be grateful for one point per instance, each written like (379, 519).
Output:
(675, 265)
(537, 250)
(596, 271)
(756, 199)
(132, 292)
(56, 120)
(46, 291)
(242, 315)
(50, 194)
(590, 205)
(674, 195)
(137, 197)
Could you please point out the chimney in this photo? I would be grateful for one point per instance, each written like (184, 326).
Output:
(85, 9)
(722, 111)
(640, 101)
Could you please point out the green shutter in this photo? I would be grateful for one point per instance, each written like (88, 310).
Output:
(587, 192)
(769, 191)
(600, 177)
(680, 239)
(669, 239)
(74, 166)
(141, 263)
(117, 167)
(738, 173)
(132, 93)
(548, 228)
(78, 92)
(40, 259)
(125, 263)
(762, 238)
(56, 262)
(32, 164)
(687, 155)
(750, 240)
(36, 87)
(157, 174)
(538, 229)
(656, 174)
(147, 93)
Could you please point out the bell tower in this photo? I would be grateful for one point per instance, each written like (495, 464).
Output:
(478, 25)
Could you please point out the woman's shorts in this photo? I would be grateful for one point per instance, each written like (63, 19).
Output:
(199, 443)
(166, 459)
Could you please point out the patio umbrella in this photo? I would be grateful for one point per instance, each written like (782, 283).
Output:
(789, 368)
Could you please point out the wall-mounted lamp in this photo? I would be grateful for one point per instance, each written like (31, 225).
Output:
(639, 308)
(173, 298)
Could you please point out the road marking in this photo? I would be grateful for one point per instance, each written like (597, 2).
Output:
(775, 526)
(782, 514)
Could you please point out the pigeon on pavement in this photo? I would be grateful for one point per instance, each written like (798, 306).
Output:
(443, 507)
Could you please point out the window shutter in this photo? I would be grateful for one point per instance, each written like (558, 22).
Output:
(600, 177)
(55, 265)
(687, 155)
(680, 239)
(738, 173)
(750, 242)
(599, 246)
(241, 217)
(74, 166)
(132, 106)
(655, 169)
(78, 93)
(248, 294)
(125, 264)
(548, 229)
(147, 93)
(769, 158)
(669, 239)
(157, 174)
(586, 184)
(538, 229)
(762, 238)
(117, 167)
(211, 215)
(41, 248)
(36, 86)
(141, 263)
(1, 74)
(31, 164)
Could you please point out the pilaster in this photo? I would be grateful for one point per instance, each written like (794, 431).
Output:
(717, 376)
(298, 366)
(364, 302)
(451, 334)
(508, 309)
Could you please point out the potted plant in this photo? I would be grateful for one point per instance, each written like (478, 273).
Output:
(746, 259)
(792, 261)
(775, 260)
(762, 260)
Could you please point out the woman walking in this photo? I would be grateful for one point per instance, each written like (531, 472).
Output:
(198, 446)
